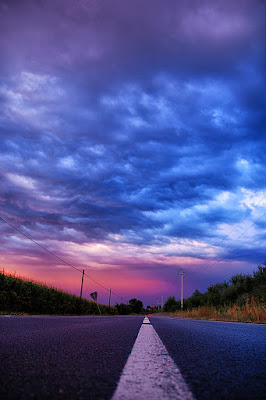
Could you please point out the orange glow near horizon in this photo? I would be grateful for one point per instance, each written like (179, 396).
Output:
(150, 282)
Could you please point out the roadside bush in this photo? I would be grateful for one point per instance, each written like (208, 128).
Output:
(21, 296)
(170, 305)
(239, 291)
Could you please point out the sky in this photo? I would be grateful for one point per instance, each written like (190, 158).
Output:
(132, 143)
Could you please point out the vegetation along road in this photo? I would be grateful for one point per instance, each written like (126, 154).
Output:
(49, 357)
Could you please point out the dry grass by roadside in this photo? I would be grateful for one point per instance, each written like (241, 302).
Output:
(251, 311)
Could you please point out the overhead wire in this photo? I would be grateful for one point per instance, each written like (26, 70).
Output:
(201, 267)
(59, 258)
(232, 230)
(258, 233)
(223, 258)
(216, 259)
(206, 265)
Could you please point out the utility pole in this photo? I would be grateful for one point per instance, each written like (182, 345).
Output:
(182, 290)
(81, 284)
(110, 297)
(162, 302)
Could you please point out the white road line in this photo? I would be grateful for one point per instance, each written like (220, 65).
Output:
(150, 373)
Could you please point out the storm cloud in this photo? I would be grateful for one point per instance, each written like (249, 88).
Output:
(133, 136)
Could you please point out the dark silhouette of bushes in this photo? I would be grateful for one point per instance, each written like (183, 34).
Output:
(21, 296)
(171, 304)
(134, 307)
(238, 290)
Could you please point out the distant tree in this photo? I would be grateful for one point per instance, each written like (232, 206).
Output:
(136, 306)
(214, 295)
(238, 279)
(239, 289)
(123, 309)
(194, 301)
(171, 304)
(259, 277)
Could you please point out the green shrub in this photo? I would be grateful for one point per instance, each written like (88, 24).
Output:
(21, 296)
(238, 290)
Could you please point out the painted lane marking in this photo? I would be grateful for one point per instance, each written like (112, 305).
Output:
(150, 373)
(146, 321)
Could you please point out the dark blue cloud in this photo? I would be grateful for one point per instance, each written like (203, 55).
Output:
(140, 125)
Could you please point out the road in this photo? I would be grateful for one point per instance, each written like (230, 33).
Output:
(219, 360)
(78, 358)
(64, 357)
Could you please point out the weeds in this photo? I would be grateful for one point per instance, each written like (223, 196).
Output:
(242, 299)
(251, 311)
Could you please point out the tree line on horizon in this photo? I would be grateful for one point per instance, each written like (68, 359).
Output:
(238, 290)
(22, 296)
(134, 306)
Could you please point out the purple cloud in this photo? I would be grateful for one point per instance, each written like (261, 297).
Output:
(133, 135)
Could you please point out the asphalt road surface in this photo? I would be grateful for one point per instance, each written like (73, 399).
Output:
(80, 358)
(219, 360)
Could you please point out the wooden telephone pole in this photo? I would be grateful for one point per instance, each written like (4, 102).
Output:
(81, 284)
(110, 296)
(182, 289)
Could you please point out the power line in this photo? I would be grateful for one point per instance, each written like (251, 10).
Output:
(243, 219)
(238, 247)
(117, 295)
(223, 258)
(206, 265)
(245, 243)
(54, 255)
(38, 244)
